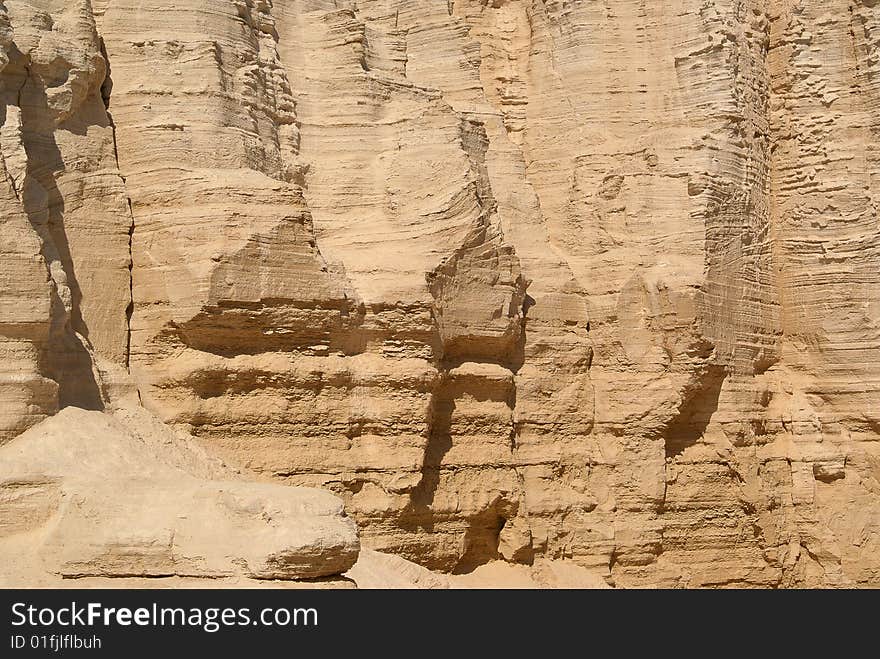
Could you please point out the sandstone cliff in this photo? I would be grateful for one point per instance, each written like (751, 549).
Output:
(521, 281)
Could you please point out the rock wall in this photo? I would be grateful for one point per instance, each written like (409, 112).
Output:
(518, 279)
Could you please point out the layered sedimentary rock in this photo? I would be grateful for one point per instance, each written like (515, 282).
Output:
(520, 280)
(66, 225)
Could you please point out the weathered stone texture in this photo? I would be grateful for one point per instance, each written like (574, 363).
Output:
(519, 280)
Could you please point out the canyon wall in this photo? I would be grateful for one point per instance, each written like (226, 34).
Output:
(518, 280)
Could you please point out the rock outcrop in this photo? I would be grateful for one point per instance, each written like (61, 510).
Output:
(524, 282)
(82, 496)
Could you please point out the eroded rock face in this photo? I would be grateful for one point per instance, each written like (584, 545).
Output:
(520, 280)
(66, 222)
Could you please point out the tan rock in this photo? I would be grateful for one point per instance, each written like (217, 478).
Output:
(524, 282)
(375, 570)
(91, 499)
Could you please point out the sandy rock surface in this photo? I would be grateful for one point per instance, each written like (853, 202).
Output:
(80, 496)
(522, 282)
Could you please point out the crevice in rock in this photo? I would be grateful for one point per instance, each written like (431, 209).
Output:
(480, 541)
(106, 95)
